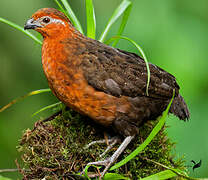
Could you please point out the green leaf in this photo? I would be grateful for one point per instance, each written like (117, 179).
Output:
(123, 23)
(60, 6)
(140, 50)
(72, 16)
(114, 176)
(23, 97)
(166, 174)
(117, 13)
(91, 21)
(86, 171)
(20, 29)
(4, 178)
(178, 172)
(153, 133)
(46, 107)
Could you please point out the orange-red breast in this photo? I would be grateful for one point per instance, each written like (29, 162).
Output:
(104, 83)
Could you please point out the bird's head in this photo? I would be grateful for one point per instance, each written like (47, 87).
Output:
(49, 22)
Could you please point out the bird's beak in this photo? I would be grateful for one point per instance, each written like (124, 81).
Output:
(31, 24)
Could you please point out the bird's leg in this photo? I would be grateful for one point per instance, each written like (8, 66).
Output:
(108, 162)
(110, 142)
(110, 146)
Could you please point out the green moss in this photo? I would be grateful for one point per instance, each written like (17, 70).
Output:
(55, 149)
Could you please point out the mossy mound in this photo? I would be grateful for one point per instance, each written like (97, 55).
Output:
(55, 149)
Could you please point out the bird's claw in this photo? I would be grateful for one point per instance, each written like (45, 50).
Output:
(106, 163)
(112, 141)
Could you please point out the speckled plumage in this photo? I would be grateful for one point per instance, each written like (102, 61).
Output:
(104, 83)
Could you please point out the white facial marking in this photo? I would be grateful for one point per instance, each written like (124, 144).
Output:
(51, 20)
(58, 21)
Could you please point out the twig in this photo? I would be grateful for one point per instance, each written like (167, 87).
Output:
(8, 170)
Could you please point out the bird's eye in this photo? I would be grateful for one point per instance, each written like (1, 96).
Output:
(46, 20)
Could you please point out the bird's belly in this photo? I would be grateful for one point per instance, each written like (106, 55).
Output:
(70, 86)
(77, 94)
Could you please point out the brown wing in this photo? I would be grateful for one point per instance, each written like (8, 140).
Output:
(122, 73)
(118, 72)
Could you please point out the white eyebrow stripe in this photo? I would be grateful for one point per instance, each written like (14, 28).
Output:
(52, 20)
(57, 21)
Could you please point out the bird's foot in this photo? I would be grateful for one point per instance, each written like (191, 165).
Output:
(108, 162)
(110, 142)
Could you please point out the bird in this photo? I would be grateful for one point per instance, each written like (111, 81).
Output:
(104, 83)
(196, 165)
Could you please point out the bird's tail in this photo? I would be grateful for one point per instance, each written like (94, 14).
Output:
(179, 108)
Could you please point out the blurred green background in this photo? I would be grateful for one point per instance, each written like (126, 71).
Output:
(173, 34)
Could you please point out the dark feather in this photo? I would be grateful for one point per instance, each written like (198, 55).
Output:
(122, 73)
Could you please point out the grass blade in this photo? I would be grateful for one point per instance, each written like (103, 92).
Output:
(23, 97)
(4, 178)
(178, 172)
(153, 133)
(72, 16)
(117, 13)
(140, 50)
(60, 6)
(86, 171)
(46, 107)
(166, 174)
(114, 176)
(20, 29)
(123, 23)
(91, 21)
